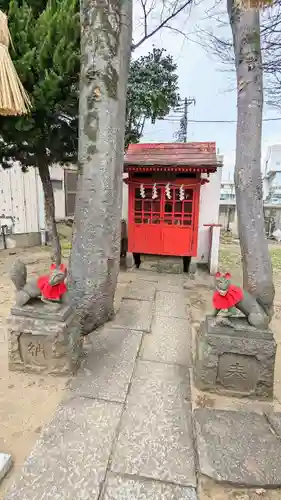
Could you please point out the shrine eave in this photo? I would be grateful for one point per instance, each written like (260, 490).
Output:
(170, 168)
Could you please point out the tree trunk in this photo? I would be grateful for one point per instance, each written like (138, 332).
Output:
(257, 269)
(49, 203)
(94, 264)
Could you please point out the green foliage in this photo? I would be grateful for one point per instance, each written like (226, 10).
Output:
(152, 92)
(46, 38)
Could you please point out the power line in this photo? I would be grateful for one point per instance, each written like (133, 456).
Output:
(176, 120)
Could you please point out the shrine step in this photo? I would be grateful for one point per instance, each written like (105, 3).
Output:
(160, 264)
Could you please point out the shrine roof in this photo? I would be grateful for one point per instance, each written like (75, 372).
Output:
(190, 154)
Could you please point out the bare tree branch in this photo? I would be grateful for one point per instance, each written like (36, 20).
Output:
(168, 13)
(221, 46)
(143, 4)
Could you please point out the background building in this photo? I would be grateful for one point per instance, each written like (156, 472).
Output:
(271, 178)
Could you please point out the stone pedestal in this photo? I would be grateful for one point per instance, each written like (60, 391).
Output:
(236, 361)
(43, 339)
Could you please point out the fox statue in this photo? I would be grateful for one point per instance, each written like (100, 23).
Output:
(231, 297)
(49, 288)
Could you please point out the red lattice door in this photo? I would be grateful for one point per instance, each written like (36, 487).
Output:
(178, 221)
(144, 222)
(166, 225)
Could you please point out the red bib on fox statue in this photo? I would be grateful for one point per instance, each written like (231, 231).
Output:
(52, 286)
(226, 295)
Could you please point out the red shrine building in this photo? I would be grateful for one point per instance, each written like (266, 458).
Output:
(171, 199)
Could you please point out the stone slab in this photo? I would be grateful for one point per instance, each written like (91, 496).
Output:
(140, 290)
(6, 463)
(171, 304)
(70, 459)
(274, 420)
(240, 328)
(155, 439)
(41, 310)
(170, 265)
(124, 488)
(108, 368)
(238, 448)
(144, 276)
(163, 286)
(175, 280)
(135, 315)
(169, 342)
(238, 361)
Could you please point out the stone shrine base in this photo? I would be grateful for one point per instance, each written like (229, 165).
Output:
(237, 361)
(43, 339)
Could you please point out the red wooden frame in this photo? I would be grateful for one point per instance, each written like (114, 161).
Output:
(163, 226)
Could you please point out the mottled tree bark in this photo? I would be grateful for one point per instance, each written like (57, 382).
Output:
(94, 264)
(49, 203)
(257, 269)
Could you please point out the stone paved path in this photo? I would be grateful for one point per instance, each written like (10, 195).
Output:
(126, 430)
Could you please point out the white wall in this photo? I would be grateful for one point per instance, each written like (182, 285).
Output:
(208, 213)
(22, 198)
(19, 199)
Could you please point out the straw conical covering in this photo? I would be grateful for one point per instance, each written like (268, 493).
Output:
(13, 98)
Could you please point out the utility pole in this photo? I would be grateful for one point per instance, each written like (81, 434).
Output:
(182, 133)
(184, 120)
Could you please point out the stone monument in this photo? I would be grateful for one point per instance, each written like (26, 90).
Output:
(41, 329)
(235, 353)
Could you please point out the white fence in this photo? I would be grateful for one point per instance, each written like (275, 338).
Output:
(19, 199)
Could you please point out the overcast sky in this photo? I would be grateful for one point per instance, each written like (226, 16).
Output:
(201, 77)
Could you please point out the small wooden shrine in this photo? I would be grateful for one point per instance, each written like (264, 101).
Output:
(164, 183)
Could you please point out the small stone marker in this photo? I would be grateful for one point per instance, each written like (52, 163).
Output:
(238, 361)
(6, 463)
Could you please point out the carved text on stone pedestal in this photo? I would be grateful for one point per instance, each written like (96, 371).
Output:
(36, 349)
(33, 349)
(237, 371)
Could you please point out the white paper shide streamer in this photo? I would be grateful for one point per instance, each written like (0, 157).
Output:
(154, 192)
(182, 193)
(168, 191)
(142, 191)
